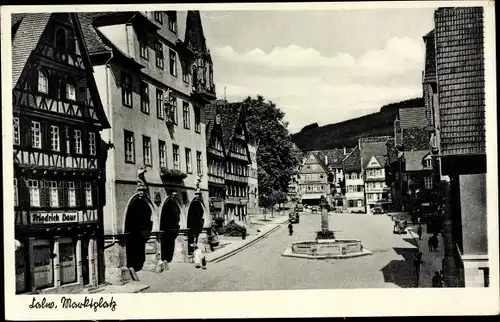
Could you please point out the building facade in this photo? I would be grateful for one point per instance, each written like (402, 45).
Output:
(460, 132)
(253, 179)
(354, 184)
(155, 87)
(313, 180)
(373, 151)
(332, 161)
(216, 160)
(235, 139)
(58, 153)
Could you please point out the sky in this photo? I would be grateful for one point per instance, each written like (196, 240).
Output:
(318, 66)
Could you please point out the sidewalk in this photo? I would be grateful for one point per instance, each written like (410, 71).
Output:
(257, 228)
(431, 261)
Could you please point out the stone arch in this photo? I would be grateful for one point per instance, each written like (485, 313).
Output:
(170, 223)
(195, 221)
(139, 221)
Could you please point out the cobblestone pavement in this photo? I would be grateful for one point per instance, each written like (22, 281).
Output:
(261, 266)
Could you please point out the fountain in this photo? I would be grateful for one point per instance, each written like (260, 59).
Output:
(326, 245)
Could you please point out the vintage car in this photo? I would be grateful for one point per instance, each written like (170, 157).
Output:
(377, 211)
(299, 207)
(293, 218)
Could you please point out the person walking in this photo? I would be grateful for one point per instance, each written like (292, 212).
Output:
(435, 241)
(419, 232)
(437, 280)
(290, 229)
(430, 243)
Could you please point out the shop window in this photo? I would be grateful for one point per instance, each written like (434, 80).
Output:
(43, 265)
(67, 260)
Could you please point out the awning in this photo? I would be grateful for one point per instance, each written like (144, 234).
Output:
(312, 196)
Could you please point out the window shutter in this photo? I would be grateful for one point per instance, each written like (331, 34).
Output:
(43, 193)
(85, 140)
(24, 193)
(78, 193)
(72, 145)
(26, 131)
(45, 132)
(82, 91)
(62, 188)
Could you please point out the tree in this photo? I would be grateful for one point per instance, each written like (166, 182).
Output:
(277, 157)
(267, 201)
(280, 197)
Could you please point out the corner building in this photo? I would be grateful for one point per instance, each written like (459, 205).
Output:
(155, 87)
(58, 156)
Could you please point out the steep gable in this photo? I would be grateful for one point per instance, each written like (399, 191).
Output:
(352, 162)
(374, 163)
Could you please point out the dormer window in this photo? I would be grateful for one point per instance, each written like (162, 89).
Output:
(158, 17)
(172, 21)
(43, 82)
(60, 42)
(428, 163)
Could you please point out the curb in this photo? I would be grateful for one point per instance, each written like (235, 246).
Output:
(244, 246)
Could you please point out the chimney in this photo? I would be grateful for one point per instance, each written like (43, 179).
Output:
(326, 159)
(345, 151)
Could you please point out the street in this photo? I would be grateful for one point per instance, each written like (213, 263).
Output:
(261, 266)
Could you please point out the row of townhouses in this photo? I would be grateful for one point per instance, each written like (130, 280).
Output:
(122, 155)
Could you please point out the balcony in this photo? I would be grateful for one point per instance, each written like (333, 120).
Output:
(236, 178)
(203, 90)
(216, 179)
(242, 157)
(236, 200)
(216, 152)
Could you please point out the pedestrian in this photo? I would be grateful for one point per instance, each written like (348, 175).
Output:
(290, 229)
(435, 241)
(419, 232)
(430, 243)
(437, 280)
(197, 256)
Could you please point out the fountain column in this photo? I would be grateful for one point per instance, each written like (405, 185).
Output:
(324, 214)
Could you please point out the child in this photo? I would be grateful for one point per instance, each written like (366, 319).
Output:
(197, 256)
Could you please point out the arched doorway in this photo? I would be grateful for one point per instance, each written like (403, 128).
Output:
(137, 224)
(195, 223)
(169, 224)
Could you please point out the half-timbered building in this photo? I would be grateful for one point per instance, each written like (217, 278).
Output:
(58, 169)
(235, 138)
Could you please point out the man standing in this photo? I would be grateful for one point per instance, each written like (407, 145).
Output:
(419, 232)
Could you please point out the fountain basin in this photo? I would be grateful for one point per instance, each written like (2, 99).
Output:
(327, 248)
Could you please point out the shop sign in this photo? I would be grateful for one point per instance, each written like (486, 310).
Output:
(42, 218)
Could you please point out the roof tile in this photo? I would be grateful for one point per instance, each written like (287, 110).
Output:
(413, 117)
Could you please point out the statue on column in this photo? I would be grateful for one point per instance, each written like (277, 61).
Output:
(142, 185)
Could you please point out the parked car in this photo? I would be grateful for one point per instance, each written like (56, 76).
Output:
(377, 211)
(299, 207)
(314, 209)
(293, 218)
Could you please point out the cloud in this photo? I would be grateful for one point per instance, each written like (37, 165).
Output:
(398, 56)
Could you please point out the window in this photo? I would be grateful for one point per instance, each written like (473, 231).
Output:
(92, 143)
(16, 135)
(160, 111)
(428, 163)
(159, 54)
(175, 151)
(16, 197)
(129, 147)
(34, 189)
(175, 118)
(71, 92)
(54, 194)
(144, 50)
(55, 138)
(71, 194)
(197, 119)
(145, 97)
(43, 82)
(189, 168)
(185, 114)
(60, 39)
(82, 91)
(146, 150)
(172, 21)
(354, 176)
(360, 203)
(162, 148)
(199, 168)
(126, 90)
(428, 182)
(158, 17)
(185, 74)
(37, 135)
(173, 63)
(88, 194)
(78, 141)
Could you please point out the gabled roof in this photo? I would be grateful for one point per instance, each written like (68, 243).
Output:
(26, 39)
(315, 155)
(230, 115)
(333, 158)
(352, 162)
(377, 149)
(95, 45)
(194, 37)
(414, 160)
(413, 117)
